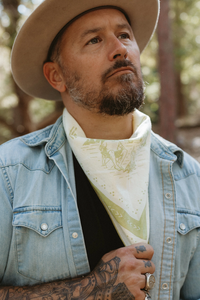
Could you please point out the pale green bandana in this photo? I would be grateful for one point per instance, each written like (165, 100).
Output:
(119, 173)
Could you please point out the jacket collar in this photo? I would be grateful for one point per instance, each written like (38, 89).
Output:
(166, 149)
(54, 137)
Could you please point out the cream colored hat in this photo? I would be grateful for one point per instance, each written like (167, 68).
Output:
(36, 35)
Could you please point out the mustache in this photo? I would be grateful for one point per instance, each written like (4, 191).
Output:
(117, 65)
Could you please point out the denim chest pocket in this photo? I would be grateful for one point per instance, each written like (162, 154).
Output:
(188, 228)
(187, 221)
(40, 245)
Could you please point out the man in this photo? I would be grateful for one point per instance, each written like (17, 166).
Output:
(77, 192)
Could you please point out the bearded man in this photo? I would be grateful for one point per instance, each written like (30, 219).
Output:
(87, 201)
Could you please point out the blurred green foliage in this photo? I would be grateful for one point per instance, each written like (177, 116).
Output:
(185, 31)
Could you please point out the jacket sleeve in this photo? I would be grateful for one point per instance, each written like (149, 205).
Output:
(6, 196)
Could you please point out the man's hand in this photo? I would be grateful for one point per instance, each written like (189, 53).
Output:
(121, 272)
(118, 276)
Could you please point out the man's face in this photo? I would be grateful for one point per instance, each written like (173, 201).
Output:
(100, 62)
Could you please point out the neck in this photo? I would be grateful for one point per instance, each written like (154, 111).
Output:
(98, 126)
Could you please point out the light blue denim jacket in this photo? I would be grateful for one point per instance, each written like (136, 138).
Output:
(41, 238)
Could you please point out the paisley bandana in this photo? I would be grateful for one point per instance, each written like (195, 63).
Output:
(119, 173)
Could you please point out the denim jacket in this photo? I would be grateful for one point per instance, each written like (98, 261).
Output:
(41, 238)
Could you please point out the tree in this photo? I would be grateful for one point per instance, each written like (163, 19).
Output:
(168, 94)
(22, 121)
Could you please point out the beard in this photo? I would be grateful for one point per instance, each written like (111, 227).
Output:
(130, 94)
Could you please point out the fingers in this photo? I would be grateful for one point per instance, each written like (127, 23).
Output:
(131, 263)
(137, 256)
(147, 267)
(146, 295)
(142, 250)
(138, 290)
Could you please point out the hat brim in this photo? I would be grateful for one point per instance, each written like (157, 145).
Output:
(32, 43)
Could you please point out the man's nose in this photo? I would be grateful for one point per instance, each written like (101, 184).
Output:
(117, 50)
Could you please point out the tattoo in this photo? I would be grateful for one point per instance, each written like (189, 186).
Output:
(147, 264)
(98, 285)
(140, 249)
(121, 292)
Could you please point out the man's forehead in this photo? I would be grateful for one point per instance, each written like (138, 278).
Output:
(95, 20)
(80, 22)
(91, 15)
(102, 9)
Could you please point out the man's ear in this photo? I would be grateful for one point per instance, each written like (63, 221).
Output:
(54, 76)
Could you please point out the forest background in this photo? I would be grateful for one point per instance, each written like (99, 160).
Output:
(170, 66)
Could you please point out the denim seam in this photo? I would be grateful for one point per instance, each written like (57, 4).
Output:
(168, 158)
(188, 212)
(8, 185)
(164, 147)
(32, 228)
(7, 257)
(56, 150)
(26, 210)
(174, 206)
(44, 140)
(164, 231)
(198, 237)
(51, 141)
(188, 175)
(20, 163)
(191, 228)
(194, 249)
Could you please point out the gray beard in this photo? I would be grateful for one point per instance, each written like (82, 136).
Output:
(129, 97)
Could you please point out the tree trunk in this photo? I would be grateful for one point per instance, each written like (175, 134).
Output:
(168, 96)
(181, 103)
(178, 56)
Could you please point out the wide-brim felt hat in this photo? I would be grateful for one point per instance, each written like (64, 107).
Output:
(33, 41)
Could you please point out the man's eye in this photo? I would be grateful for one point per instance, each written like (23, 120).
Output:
(94, 41)
(124, 36)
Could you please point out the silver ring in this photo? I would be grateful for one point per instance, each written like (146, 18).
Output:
(147, 296)
(149, 281)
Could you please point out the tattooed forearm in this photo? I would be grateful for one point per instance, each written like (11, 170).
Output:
(140, 249)
(98, 285)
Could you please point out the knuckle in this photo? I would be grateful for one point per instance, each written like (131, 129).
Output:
(150, 250)
(124, 251)
(108, 256)
(130, 266)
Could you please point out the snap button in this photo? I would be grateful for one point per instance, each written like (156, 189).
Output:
(169, 240)
(165, 286)
(182, 226)
(75, 235)
(168, 195)
(44, 226)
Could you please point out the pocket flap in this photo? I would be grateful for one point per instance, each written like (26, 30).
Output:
(187, 222)
(42, 220)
